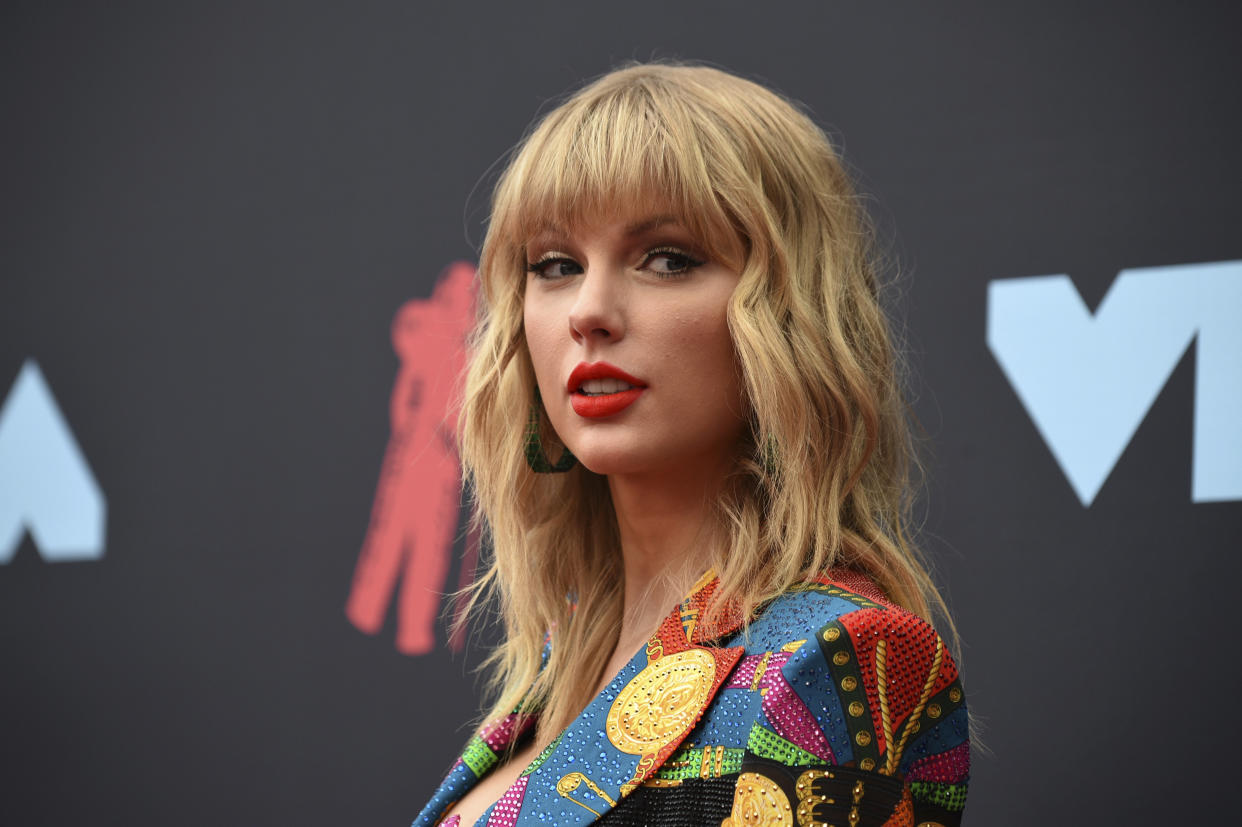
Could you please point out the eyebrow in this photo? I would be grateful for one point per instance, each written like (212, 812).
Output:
(645, 226)
(637, 228)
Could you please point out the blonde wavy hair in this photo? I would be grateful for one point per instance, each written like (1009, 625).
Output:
(824, 477)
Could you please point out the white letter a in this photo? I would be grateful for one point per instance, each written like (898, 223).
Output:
(45, 483)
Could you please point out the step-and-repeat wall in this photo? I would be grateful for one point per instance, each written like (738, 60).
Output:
(235, 271)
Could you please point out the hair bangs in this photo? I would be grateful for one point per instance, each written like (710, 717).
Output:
(614, 156)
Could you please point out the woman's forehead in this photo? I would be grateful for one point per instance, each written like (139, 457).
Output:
(630, 223)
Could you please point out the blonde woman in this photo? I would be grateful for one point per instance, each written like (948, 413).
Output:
(686, 435)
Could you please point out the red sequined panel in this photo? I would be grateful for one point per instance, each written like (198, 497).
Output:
(857, 583)
(903, 816)
(903, 663)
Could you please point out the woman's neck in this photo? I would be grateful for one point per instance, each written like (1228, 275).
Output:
(665, 523)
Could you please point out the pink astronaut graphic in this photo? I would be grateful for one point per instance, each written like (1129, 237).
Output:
(416, 511)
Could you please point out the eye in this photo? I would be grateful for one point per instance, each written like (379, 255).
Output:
(554, 266)
(668, 262)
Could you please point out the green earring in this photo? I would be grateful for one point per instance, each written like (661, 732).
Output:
(770, 457)
(535, 456)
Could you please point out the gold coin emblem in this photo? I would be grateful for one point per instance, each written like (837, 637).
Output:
(832, 634)
(849, 683)
(758, 801)
(867, 764)
(933, 710)
(856, 708)
(955, 695)
(863, 738)
(841, 658)
(660, 702)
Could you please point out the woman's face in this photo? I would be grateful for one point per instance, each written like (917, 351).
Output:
(626, 325)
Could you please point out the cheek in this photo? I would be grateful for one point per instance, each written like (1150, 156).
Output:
(539, 340)
(705, 349)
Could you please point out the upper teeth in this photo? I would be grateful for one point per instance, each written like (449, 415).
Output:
(604, 386)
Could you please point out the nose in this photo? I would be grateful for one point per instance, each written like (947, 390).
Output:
(598, 311)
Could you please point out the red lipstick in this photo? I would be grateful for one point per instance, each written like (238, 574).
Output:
(595, 406)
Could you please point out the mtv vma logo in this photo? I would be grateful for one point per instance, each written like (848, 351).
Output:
(1087, 381)
(46, 487)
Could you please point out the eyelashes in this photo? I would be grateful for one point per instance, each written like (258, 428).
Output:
(664, 262)
(553, 266)
(678, 262)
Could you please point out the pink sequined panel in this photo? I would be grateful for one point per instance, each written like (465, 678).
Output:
(744, 675)
(506, 810)
(789, 716)
(499, 733)
(947, 767)
(785, 710)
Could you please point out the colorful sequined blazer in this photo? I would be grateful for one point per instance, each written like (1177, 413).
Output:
(831, 707)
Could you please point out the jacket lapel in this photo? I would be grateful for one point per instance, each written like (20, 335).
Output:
(623, 736)
(631, 728)
(477, 760)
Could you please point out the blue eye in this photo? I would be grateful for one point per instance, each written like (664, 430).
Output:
(554, 267)
(667, 262)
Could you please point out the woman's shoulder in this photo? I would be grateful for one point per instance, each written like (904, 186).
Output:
(853, 680)
(838, 602)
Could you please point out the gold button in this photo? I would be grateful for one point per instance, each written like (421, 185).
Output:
(849, 683)
(955, 695)
(832, 634)
(841, 658)
(856, 709)
(934, 710)
(863, 738)
(867, 764)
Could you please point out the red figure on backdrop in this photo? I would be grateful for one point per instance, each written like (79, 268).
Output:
(415, 514)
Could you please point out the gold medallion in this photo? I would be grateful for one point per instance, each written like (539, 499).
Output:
(758, 801)
(661, 702)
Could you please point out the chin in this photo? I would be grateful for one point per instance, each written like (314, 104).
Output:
(608, 462)
(614, 456)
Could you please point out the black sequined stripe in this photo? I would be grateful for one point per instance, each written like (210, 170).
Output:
(691, 803)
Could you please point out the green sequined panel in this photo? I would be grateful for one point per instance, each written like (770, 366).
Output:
(701, 762)
(767, 744)
(478, 756)
(950, 796)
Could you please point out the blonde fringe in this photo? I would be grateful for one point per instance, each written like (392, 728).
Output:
(827, 478)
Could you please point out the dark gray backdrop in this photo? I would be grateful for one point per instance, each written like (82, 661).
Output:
(212, 212)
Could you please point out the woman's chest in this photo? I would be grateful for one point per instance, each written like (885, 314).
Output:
(489, 790)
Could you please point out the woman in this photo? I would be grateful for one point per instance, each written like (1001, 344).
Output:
(713, 610)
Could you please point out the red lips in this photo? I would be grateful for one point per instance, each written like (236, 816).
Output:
(605, 404)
